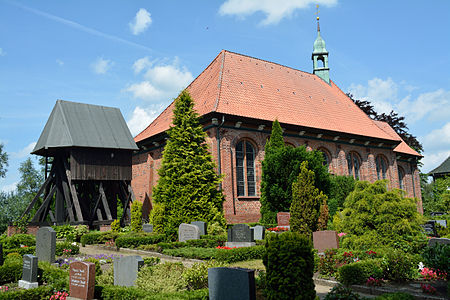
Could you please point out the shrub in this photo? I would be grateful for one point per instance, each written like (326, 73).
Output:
(136, 216)
(196, 277)
(359, 272)
(98, 269)
(97, 237)
(106, 278)
(11, 271)
(115, 226)
(54, 276)
(16, 240)
(289, 262)
(328, 263)
(151, 261)
(190, 252)
(112, 292)
(340, 187)
(60, 246)
(341, 292)
(437, 258)
(41, 292)
(239, 254)
(137, 239)
(216, 229)
(398, 266)
(21, 251)
(395, 296)
(166, 277)
(322, 222)
(306, 200)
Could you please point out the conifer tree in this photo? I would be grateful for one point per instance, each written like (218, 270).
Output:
(276, 140)
(322, 223)
(306, 200)
(187, 188)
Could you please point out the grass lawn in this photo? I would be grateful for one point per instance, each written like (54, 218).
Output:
(256, 264)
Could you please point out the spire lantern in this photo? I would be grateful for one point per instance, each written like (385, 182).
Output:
(320, 55)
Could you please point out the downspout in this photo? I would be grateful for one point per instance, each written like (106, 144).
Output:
(219, 168)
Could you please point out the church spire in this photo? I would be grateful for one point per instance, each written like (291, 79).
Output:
(320, 55)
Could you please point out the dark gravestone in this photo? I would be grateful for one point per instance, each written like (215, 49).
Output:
(188, 232)
(327, 239)
(46, 244)
(240, 235)
(29, 272)
(231, 283)
(201, 225)
(82, 280)
(147, 227)
(283, 218)
(434, 241)
(126, 269)
(258, 232)
(1, 254)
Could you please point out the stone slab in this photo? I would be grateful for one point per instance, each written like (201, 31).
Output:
(240, 233)
(188, 232)
(239, 244)
(434, 241)
(46, 244)
(29, 268)
(327, 239)
(202, 226)
(27, 285)
(126, 269)
(147, 227)
(231, 283)
(82, 280)
(259, 232)
(283, 218)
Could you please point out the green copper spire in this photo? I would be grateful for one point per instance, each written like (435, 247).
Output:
(320, 56)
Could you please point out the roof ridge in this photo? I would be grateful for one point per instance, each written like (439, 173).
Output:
(59, 104)
(219, 88)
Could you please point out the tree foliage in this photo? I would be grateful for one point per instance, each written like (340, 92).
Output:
(3, 161)
(306, 201)
(374, 217)
(393, 119)
(276, 140)
(340, 187)
(436, 195)
(187, 188)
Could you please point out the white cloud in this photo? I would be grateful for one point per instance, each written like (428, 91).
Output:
(161, 82)
(141, 21)
(379, 92)
(59, 62)
(141, 64)
(438, 139)
(431, 161)
(274, 11)
(2, 53)
(9, 187)
(25, 151)
(102, 66)
(433, 105)
(140, 119)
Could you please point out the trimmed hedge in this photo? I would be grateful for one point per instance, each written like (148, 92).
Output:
(11, 271)
(192, 252)
(22, 251)
(98, 237)
(16, 240)
(239, 254)
(111, 292)
(137, 239)
(359, 272)
(41, 292)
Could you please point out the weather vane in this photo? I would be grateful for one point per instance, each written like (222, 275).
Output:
(317, 13)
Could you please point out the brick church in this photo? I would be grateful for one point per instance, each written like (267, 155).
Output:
(239, 96)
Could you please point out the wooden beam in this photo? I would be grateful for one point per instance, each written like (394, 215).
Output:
(99, 214)
(41, 189)
(74, 193)
(66, 192)
(105, 202)
(94, 210)
(52, 217)
(36, 217)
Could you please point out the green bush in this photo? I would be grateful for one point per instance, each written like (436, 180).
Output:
(11, 271)
(340, 187)
(136, 239)
(16, 240)
(98, 237)
(395, 296)
(239, 254)
(171, 245)
(341, 292)
(328, 263)
(216, 229)
(60, 246)
(151, 261)
(136, 216)
(39, 293)
(112, 292)
(115, 226)
(398, 265)
(69, 232)
(98, 269)
(191, 252)
(437, 258)
(289, 262)
(166, 277)
(21, 251)
(53, 276)
(196, 277)
(359, 272)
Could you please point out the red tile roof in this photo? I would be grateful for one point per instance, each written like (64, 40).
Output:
(403, 146)
(240, 85)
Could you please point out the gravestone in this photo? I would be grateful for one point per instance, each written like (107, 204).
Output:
(126, 269)
(434, 241)
(442, 223)
(201, 225)
(1, 254)
(29, 272)
(283, 218)
(231, 283)
(82, 280)
(147, 227)
(258, 232)
(326, 239)
(46, 244)
(240, 235)
(188, 232)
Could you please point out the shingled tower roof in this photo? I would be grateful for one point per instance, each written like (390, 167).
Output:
(73, 124)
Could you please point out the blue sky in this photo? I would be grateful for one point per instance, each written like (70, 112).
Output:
(138, 55)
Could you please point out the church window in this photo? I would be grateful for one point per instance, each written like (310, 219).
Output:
(245, 169)
(381, 167)
(354, 165)
(401, 177)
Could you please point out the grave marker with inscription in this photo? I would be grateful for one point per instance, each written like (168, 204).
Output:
(29, 272)
(258, 232)
(326, 239)
(283, 218)
(126, 269)
(231, 283)
(201, 225)
(188, 232)
(46, 244)
(240, 235)
(82, 280)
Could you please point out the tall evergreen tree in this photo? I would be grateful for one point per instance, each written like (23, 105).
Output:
(276, 140)
(3, 161)
(187, 188)
(306, 201)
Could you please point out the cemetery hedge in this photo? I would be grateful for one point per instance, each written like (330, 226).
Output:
(222, 255)
(39, 293)
(133, 240)
(111, 292)
(359, 272)
(98, 237)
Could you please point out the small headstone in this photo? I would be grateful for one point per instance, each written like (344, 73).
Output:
(147, 227)
(442, 223)
(240, 235)
(188, 232)
(231, 283)
(201, 225)
(434, 241)
(1, 254)
(126, 269)
(82, 280)
(258, 232)
(327, 239)
(283, 218)
(46, 244)
(29, 272)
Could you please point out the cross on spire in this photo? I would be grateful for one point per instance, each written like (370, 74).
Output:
(317, 13)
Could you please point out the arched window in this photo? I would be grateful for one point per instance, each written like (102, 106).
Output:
(245, 169)
(381, 167)
(401, 177)
(354, 164)
(326, 156)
